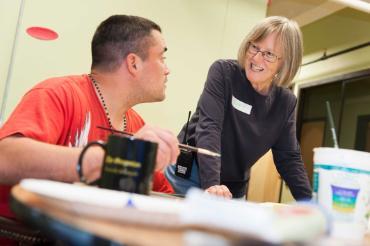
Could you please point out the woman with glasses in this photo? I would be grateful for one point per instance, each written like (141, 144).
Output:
(244, 111)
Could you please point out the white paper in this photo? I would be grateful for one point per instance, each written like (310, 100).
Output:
(198, 210)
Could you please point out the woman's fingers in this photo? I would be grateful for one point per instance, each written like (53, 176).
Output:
(219, 190)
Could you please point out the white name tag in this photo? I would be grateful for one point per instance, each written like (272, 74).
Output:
(241, 106)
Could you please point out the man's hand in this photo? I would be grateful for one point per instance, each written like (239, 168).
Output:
(219, 190)
(168, 149)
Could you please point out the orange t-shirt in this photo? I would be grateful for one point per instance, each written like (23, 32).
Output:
(65, 111)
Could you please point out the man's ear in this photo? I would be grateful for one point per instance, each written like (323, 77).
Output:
(133, 62)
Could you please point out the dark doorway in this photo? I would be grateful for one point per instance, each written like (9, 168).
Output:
(363, 133)
(349, 96)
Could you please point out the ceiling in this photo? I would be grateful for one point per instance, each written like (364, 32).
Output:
(308, 11)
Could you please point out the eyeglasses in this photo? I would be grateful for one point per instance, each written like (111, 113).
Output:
(267, 55)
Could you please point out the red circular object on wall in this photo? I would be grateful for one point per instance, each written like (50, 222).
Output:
(42, 33)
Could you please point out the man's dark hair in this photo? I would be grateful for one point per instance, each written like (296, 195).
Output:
(118, 36)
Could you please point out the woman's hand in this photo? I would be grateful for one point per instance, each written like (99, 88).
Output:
(220, 190)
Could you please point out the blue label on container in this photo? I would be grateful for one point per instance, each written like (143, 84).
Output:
(315, 181)
(344, 169)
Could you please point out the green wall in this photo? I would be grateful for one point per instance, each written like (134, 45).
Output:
(341, 30)
(197, 32)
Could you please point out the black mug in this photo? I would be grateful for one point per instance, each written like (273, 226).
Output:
(128, 164)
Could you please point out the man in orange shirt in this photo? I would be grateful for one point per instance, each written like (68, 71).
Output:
(57, 114)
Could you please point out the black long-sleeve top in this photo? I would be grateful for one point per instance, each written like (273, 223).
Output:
(233, 119)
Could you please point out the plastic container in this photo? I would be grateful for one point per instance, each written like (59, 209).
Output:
(341, 184)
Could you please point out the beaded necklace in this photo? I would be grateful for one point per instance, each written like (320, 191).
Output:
(96, 85)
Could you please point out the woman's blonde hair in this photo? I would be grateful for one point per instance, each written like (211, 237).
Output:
(289, 34)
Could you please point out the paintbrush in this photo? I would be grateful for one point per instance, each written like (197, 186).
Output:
(182, 146)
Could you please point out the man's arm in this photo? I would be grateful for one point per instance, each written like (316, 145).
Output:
(22, 157)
